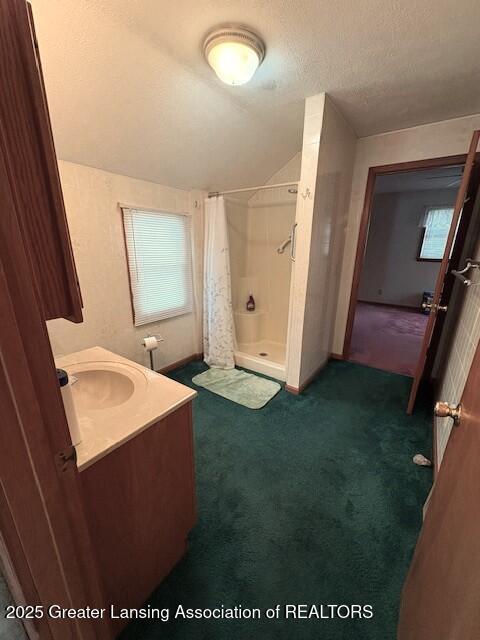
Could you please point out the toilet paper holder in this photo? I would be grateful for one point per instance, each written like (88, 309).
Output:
(157, 337)
(151, 346)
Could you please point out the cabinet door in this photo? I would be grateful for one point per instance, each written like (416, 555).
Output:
(26, 144)
(140, 503)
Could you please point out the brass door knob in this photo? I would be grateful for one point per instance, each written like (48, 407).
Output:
(446, 410)
(434, 307)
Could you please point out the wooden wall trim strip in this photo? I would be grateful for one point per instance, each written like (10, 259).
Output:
(180, 363)
(336, 356)
(294, 390)
(402, 307)
(297, 390)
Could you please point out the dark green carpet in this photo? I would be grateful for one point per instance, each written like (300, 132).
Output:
(313, 499)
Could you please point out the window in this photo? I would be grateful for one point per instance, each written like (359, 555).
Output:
(435, 232)
(160, 264)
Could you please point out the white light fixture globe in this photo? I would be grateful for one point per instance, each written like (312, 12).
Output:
(234, 53)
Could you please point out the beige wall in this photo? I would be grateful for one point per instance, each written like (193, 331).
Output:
(449, 137)
(95, 222)
(391, 272)
(327, 163)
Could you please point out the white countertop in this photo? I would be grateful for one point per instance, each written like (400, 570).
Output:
(104, 428)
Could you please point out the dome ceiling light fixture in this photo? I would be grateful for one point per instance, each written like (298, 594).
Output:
(234, 53)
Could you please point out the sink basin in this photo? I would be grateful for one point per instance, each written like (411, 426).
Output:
(116, 399)
(102, 385)
(101, 389)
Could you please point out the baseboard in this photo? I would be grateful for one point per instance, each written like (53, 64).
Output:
(297, 390)
(435, 386)
(291, 389)
(434, 449)
(391, 305)
(180, 363)
(426, 504)
(336, 356)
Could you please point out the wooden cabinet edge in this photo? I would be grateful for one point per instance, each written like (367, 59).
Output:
(141, 498)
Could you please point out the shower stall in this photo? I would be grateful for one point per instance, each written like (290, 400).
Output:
(261, 237)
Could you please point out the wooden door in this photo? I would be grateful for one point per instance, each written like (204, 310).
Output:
(440, 599)
(438, 299)
(41, 514)
(463, 248)
(27, 147)
(42, 522)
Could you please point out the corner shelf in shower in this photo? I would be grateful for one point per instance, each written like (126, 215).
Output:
(244, 312)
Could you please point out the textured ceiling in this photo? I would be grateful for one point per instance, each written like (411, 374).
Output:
(442, 178)
(130, 91)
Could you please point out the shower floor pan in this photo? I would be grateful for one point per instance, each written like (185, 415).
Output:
(264, 357)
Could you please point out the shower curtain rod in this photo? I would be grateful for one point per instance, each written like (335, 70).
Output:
(214, 194)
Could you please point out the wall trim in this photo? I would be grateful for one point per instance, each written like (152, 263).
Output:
(336, 356)
(294, 390)
(298, 390)
(180, 363)
(389, 304)
(435, 449)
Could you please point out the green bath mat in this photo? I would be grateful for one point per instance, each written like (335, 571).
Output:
(238, 386)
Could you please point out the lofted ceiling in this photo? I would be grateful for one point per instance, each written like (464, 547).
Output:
(130, 92)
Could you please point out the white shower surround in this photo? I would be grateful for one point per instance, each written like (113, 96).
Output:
(327, 164)
(256, 228)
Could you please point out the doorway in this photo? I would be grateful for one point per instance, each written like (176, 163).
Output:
(409, 222)
(450, 261)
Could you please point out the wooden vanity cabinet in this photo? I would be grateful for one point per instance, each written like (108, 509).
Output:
(28, 153)
(140, 505)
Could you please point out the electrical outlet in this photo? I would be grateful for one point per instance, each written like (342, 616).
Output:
(380, 292)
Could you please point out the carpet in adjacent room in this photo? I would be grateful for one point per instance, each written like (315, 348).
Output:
(313, 499)
(387, 337)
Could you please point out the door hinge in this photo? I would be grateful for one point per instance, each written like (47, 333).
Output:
(66, 458)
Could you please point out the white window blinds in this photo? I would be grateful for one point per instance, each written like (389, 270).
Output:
(437, 226)
(159, 256)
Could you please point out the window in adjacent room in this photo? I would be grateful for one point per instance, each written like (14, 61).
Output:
(159, 256)
(435, 232)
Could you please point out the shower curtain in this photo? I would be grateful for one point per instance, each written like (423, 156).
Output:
(218, 327)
